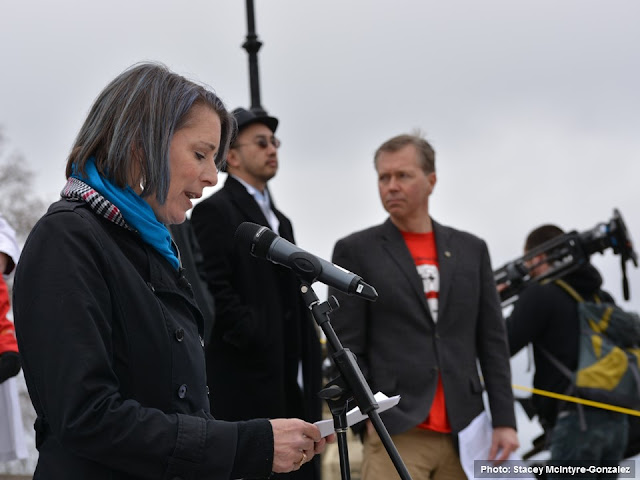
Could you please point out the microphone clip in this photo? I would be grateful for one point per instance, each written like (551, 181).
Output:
(305, 265)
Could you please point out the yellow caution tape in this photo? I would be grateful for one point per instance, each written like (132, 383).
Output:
(568, 398)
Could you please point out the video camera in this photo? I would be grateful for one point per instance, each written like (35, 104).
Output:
(566, 253)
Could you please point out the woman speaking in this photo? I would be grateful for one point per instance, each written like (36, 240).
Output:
(109, 332)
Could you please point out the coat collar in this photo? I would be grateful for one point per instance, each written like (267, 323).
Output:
(245, 201)
(251, 210)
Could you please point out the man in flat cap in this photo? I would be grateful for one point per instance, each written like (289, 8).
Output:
(263, 358)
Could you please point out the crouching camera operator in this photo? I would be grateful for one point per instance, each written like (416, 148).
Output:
(546, 315)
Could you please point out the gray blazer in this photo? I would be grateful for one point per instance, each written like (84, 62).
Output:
(399, 347)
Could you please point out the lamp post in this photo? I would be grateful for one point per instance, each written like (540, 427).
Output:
(252, 46)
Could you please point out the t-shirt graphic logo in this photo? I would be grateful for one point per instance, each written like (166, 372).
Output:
(431, 284)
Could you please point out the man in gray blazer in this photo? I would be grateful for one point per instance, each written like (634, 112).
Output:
(437, 316)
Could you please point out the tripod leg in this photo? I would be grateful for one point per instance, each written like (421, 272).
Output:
(343, 452)
(389, 446)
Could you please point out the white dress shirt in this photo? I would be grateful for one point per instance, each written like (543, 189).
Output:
(263, 200)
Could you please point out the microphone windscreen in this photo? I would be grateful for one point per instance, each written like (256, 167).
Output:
(256, 237)
(245, 232)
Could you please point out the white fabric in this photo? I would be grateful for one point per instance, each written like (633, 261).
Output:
(12, 439)
(8, 243)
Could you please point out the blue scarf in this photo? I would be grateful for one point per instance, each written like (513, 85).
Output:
(137, 213)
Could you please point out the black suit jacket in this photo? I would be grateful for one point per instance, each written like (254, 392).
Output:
(263, 329)
(401, 349)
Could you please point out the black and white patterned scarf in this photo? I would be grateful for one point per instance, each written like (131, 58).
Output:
(78, 190)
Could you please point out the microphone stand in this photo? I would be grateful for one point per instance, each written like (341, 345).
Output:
(349, 385)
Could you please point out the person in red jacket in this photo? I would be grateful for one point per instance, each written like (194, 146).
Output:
(9, 359)
(9, 252)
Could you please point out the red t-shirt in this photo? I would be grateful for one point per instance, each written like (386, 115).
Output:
(423, 250)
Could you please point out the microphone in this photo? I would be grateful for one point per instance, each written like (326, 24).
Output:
(264, 243)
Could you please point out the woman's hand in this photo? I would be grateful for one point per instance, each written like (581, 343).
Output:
(295, 442)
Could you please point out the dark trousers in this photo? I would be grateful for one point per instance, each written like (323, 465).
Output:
(602, 443)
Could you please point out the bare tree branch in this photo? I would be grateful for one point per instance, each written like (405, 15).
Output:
(19, 204)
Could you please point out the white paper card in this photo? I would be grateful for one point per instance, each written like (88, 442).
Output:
(355, 415)
(475, 443)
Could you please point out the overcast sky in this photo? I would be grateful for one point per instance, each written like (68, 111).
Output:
(533, 107)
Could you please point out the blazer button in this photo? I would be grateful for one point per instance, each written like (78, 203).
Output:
(151, 287)
(182, 391)
(201, 341)
(207, 390)
(179, 334)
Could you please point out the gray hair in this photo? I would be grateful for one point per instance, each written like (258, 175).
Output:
(426, 154)
(134, 119)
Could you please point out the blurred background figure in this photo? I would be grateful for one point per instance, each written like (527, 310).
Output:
(545, 315)
(9, 254)
(12, 439)
(436, 317)
(264, 357)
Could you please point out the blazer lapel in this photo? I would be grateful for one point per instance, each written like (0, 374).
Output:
(394, 244)
(446, 263)
(286, 231)
(245, 201)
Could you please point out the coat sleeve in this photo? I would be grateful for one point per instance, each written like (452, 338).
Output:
(528, 319)
(9, 358)
(493, 352)
(63, 311)
(7, 332)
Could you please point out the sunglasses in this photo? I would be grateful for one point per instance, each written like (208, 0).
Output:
(261, 142)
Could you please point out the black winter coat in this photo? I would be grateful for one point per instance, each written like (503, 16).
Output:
(111, 343)
(263, 329)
